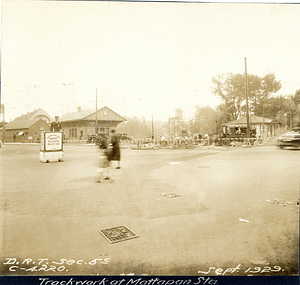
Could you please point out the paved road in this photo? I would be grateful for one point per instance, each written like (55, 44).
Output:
(52, 212)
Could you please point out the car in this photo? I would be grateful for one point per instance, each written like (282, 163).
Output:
(290, 139)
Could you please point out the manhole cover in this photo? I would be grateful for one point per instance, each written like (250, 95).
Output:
(117, 234)
(171, 194)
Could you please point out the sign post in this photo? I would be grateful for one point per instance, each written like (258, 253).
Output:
(51, 147)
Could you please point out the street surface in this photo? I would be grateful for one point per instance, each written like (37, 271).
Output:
(219, 224)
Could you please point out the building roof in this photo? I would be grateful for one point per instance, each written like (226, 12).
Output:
(77, 115)
(22, 124)
(32, 115)
(253, 120)
(104, 113)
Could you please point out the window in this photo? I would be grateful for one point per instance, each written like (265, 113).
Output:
(35, 133)
(72, 133)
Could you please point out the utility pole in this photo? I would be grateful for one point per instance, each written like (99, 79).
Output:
(246, 91)
(264, 116)
(152, 130)
(3, 122)
(96, 124)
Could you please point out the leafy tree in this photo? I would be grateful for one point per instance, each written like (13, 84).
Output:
(140, 128)
(254, 91)
(295, 111)
(269, 86)
(223, 114)
(135, 127)
(205, 121)
(269, 83)
(177, 123)
(231, 89)
(272, 107)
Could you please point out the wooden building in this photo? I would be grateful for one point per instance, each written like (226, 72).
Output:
(78, 126)
(25, 131)
(26, 128)
(261, 126)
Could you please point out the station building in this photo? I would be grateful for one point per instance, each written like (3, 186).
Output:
(79, 125)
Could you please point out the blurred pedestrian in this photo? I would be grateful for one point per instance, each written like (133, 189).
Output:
(115, 152)
(103, 171)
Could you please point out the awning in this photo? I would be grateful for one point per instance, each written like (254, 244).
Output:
(20, 133)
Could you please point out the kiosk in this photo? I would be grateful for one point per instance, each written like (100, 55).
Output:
(51, 147)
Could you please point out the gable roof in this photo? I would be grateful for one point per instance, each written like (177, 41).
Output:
(32, 115)
(90, 114)
(254, 120)
(21, 124)
(75, 116)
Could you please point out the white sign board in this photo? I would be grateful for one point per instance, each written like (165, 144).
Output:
(51, 141)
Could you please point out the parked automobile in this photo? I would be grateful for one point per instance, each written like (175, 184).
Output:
(290, 139)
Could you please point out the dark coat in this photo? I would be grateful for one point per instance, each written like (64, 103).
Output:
(115, 152)
(55, 127)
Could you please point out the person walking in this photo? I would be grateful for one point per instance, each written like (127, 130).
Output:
(103, 162)
(115, 152)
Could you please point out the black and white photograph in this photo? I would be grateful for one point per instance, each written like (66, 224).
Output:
(149, 143)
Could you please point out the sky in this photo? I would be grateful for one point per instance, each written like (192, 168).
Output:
(139, 59)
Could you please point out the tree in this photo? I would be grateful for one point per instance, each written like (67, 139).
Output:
(140, 128)
(231, 89)
(135, 127)
(269, 86)
(254, 91)
(205, 121)
(297, 102)
(223, 115)
(177, 123)
(269, 83)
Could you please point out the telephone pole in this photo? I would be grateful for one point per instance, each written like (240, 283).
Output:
(246, 95)
(96, 125)
(152, 130)
(3, 121)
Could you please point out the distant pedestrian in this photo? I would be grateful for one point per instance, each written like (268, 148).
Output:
(55, 126)
(103, 171)
(115, 152)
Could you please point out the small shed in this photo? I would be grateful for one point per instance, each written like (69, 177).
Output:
(260, 125)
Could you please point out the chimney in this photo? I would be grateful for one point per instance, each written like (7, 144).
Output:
(79, 109)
